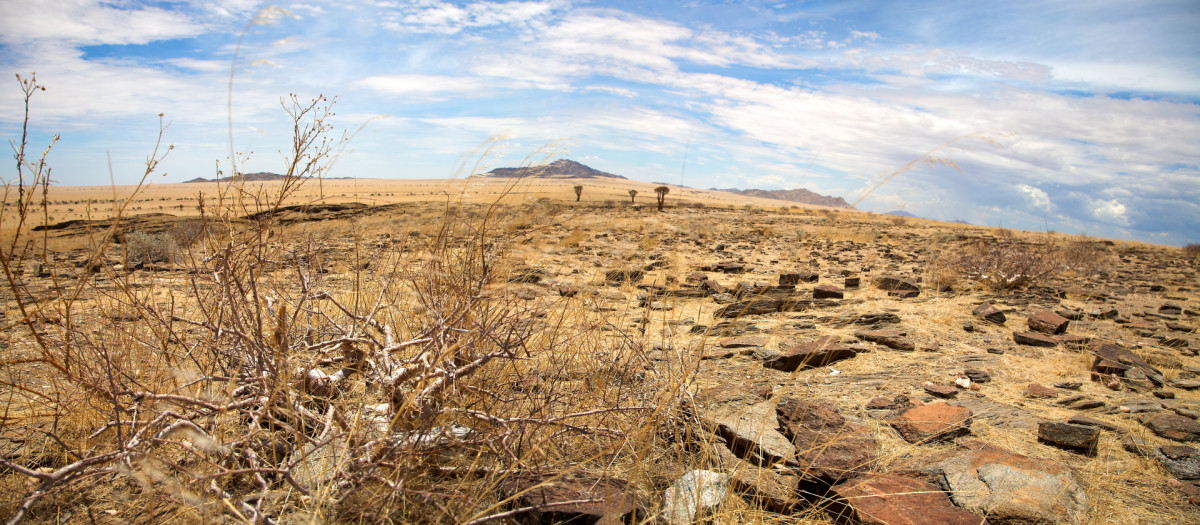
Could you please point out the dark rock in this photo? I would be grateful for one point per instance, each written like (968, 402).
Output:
(968, 326)
(1135, 406)
(1092, 422)
(726, 267)
(792, 279)
(887, 499)
(942, 391)
(818, 352)
(1033, 339)
(826, 291)
(711, 286)
(1173, 426)
(989, 313)
(904, 294)
(893, 283)
(1068, 385)
(852, 283)
(1164, 394)
(619, 276)
(612, 500)
(1183, 462)
(1116, 359)
(1073, 315)
(895, 339)
(1105, 313)
(827, 447)
(1138, 446)
(977, 376)
(933, 422)
(997, 351)
(1170, 309)
(1048, 322)
(881, 403)
(1070, 436)
(772, 489)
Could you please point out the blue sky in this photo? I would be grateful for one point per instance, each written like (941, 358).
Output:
(1080, 116)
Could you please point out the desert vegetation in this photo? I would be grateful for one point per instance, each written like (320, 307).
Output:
(270, 357)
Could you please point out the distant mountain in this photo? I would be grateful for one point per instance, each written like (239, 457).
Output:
(800, 195)
(902, 213)
(262, 176)
(559, 169)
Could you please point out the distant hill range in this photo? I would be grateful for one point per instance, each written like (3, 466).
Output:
(262, 176)
(800, 195)
(559, 169)
(901, 213)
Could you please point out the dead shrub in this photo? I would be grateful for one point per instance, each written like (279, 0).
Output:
(1192, 250)
(150, 248)
(1006, 263)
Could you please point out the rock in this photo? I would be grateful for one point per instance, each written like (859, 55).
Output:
(895, 339)
(942, 391)
(989, 313)
(965, 382)
(1186, 384)
(620, 276)
(792, 279)
(694, 495)
(891, 283)
(772, 489)
(903, 294)
(1173, 426)
(827, 291)
(1116, 359)
(968, 326)
(881, 403)
(1012, 488)
(749, 431)
(1170, 309)
(933, 422)
(1048, 322)
(1073, 315)
(743, 342)
(712, 287)
(1092, 422)
(614, 500)
(818, 352)
(1164, 394)
(726, 267)
(977, 376)
(1138, 446)
(827, 447)
(852, 283)
(1181, 461)
(1134, 406)
(886, 499)
(1037, 391)
(1070, 436)
(1033, 339)
(1068, 385)
(997, 351)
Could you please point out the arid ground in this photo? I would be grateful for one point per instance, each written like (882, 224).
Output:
(491, 350)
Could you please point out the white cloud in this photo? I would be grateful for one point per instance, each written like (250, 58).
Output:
(424, 87)
(1037, 197)
(88, 22)
(1110, 211)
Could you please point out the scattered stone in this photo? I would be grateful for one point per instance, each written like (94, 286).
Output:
(1181, 461)
(1012, 488)
(903, 294)
(1074, 340)
(881, 403)
(1073, 315)
(1185, 384)
(968, 326)
(792, 279)
(1134, 406)
(1164, 394)
(1170, 309)
(996, 351)
(1092, 422)
(1173, 426)
(772, 489)
(622, 276)
(743, 342)
(827, 291)
(886, 499)
(852, 283)
(1138, 446)
(895, 339)
(1105, 313)
(713, 287)
(1117, 360)
(942, 391)
(1048, 322)
(893, 283)
(933, 422)
(965, 382)
(1033, 339)
(977, 376)
(612, 500)
(749, 431)
(1070, 436)
(1037, 391)
(989, 313)
(828, 448)
(693, 496)
(726, 267)
(1068, 385)
(819, 352)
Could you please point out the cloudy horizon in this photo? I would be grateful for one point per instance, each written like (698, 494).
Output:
(1076, 117)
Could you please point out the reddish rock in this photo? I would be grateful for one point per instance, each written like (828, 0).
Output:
(895, 339)
(881, 403)
(892, 283)
(943, 391)
(1037, 391)
(613, 500)
(792, 279)
(989, 313)
(886, 499)
(827, 291)
(1048, 322)
(1070, 436)
(743, 342)
(818, 352)
(933, 422)
(1033, 339)
(827, 447)
(712, 286)
(1173, 426)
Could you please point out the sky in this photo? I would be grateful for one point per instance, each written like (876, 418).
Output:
(1078, 117)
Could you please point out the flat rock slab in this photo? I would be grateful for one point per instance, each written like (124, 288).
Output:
(612, 500)
(891, 283)
(1173, 426)
(828, 447)
(818, 352)
(773, 489)
(1012, 488)
(1183, 462)
(998, 414)
(826, 291)
(693, 496)
(750, 432)
(933, 422)
(1037, 391)
(1048, 322)
(1034, 339)
(886, 499)
(743, 342)
(989, 313)
(1070, 436)
(770, 305)
(895, 339)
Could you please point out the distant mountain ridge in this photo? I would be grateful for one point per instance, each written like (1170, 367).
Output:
(800, 195)
(559, 169)
(262, 176)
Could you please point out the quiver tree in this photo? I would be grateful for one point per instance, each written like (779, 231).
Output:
(632, 196)
(578, 191)
(662, 195)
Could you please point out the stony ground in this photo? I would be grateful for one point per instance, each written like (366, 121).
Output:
(841, 363)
